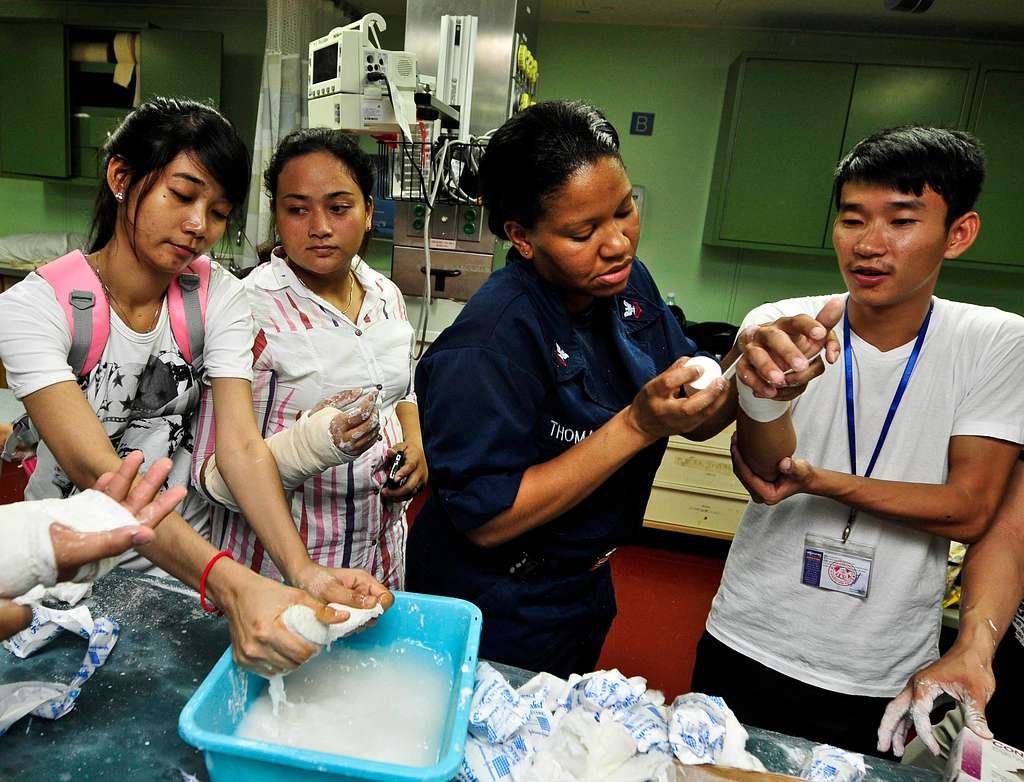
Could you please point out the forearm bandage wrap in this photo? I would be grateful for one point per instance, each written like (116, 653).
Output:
(758, 409)
(304, 449)
(26, 552)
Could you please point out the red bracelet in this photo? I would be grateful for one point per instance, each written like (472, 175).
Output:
(202, 581)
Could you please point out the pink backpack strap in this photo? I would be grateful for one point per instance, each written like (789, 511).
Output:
(80, 294)
(186, 305)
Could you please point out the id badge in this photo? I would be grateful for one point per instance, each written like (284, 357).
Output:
(840, 567)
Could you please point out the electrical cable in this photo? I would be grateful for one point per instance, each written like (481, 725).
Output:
(425, 312)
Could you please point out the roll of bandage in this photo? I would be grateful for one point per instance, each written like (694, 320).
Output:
(712, 371)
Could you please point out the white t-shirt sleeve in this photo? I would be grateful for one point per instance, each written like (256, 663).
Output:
(993, 405)
(229, 328)
(34, 337)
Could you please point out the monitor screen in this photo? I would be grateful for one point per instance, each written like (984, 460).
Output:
(325, 63)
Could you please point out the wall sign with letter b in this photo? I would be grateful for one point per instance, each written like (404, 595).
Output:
(642, 124)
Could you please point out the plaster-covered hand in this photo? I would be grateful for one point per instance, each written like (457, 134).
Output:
(964, 673)
(78, 538)
(357, 426)
(144, 500)
(795, 476)
(413, 471)
(347, 586)
(659, 411)
(786, 345)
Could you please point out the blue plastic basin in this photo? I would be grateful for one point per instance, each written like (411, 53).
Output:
(448, 627)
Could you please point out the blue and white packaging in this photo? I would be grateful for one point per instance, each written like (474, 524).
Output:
(831, 764)
(606, 691)
(702, 729)
(598, 726)
(52, 700)
(497, 711)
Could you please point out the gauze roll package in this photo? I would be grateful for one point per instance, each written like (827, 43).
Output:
(974, 759)
(52, 700)
(602, 726)
(831, 764)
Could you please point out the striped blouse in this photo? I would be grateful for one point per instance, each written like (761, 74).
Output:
(304, 351)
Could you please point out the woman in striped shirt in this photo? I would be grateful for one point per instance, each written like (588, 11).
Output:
(326, 322)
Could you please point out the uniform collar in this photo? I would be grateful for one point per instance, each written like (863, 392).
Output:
(633, 312)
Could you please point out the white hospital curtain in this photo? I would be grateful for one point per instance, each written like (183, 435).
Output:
(291, 25)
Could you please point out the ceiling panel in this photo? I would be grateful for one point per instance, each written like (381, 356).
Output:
(988, 19)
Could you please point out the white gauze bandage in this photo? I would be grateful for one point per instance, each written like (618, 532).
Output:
(302, 621)
(304, 449)
(27, 556)
(758, 409)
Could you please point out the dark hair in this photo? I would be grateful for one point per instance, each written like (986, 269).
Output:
(152, 136)
(306, 141)
(535, 153)
(907, 158)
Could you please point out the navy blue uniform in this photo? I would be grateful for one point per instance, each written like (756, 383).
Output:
(514, 382)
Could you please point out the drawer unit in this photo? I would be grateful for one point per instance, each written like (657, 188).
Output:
(694, 512)
(695, 490)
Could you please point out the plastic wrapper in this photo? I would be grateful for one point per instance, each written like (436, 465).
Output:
(601, 727)
(831, 764)
(52, 700)
(702, 729)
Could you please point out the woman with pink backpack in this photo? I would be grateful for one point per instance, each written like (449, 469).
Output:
(108, 351)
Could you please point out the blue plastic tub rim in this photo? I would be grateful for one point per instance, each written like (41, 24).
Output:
(446, 767)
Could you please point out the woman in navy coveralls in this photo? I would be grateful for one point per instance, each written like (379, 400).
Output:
(547, 405)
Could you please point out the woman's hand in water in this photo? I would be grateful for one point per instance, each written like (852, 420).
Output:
(658, 410)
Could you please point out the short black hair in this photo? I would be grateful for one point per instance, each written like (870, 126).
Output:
(306, 141)
(152, 136)
(909, 157)
(535, 153)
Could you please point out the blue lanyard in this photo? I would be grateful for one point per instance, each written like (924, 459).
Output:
(851, 428)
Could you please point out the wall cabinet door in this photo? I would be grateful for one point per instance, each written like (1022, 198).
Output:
(999, 124)
(34, 99)
(788, 129)
(888, 95)
(181, 63)
(791, 121)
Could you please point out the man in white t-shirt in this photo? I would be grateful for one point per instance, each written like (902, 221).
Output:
(832, 592)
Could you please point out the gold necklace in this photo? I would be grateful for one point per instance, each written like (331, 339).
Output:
(351, 290)
(119, 307)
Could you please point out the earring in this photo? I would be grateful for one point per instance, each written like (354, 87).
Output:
(119, 197)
